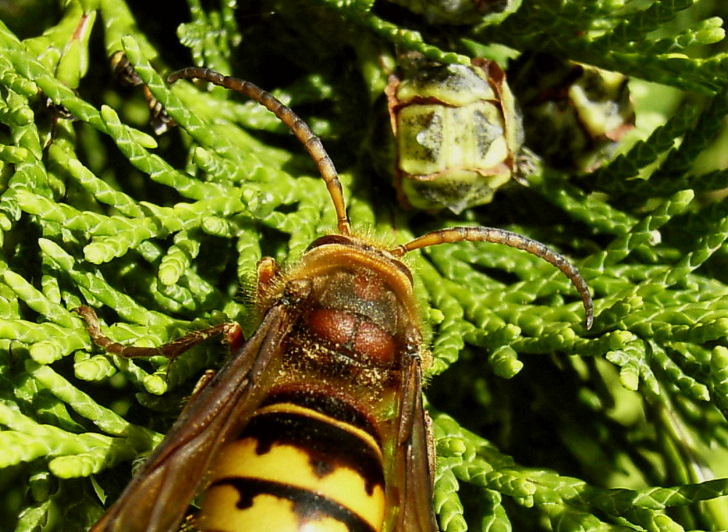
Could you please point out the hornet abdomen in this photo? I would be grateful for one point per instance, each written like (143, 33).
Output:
(303, 463)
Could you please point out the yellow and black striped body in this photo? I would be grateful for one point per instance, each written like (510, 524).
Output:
(316, 453)
(304, 462)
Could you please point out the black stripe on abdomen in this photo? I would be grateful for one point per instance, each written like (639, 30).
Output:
(307, 505)
(326, 404)
(328, 445)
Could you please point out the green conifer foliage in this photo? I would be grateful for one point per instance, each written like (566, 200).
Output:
(539, 424)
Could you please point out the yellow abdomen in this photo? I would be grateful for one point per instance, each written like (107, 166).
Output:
(295, 468)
